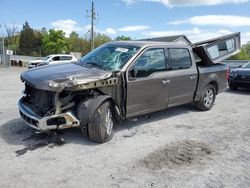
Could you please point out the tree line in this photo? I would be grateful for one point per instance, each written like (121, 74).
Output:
(43, 42)
(244, 53)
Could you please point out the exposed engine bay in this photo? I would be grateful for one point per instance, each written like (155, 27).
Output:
(45, 103)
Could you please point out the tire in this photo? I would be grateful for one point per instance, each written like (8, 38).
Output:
(100, 126)
(207, 99)
(232, 87)
(81, 114)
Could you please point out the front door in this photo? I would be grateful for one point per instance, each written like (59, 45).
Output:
(147, 85)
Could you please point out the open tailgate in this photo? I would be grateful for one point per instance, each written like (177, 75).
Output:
(217, 49)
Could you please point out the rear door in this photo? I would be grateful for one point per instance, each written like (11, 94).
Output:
(217, 49)
(183, 76)
(55, 60)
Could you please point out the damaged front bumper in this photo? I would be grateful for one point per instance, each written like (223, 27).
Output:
(47, 123)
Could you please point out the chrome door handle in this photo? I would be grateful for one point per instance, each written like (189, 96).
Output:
(165, 82)
(192, 77)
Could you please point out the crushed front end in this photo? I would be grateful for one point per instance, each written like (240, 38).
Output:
(53, 94)
(47, 110)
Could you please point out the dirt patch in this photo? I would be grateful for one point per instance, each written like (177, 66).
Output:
(30, 148)
(52, 139)
(182, 153)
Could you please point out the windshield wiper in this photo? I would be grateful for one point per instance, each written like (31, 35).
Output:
(92, 64)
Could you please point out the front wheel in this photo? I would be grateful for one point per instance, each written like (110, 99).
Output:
(100, 126)
(207, 99)
(232, 87)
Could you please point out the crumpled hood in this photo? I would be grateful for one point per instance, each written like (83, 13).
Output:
(58, 77)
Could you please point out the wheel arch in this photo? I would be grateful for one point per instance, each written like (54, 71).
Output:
(215, 84)
(201, 103)
(87, 108)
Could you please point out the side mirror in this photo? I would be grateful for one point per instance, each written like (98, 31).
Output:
(132, 74)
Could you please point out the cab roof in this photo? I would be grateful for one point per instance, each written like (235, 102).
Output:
(146, 43)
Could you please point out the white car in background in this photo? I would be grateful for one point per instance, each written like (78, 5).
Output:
(52, 59)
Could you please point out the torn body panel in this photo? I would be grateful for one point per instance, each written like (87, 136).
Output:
(117, 92)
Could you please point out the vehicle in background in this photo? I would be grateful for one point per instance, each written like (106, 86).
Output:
(121, 80)
(233, 64)
(240, 77)
(52, 59)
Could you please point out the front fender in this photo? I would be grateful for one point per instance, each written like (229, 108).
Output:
(87, 108)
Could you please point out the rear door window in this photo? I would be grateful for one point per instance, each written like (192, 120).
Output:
(180, 58)
(65, 58)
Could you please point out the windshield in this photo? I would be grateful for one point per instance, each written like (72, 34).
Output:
(109, 56)
(246, 65)
(46, 58)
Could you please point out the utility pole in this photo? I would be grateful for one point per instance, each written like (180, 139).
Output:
(2, 49)
(93, 18)
(3, 52)
(92, 26)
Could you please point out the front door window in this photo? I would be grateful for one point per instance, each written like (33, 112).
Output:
(153, 60)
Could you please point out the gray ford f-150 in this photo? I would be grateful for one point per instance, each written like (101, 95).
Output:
(121, 80)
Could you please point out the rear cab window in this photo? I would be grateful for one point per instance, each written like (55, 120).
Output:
(221, 49)
(215, 50)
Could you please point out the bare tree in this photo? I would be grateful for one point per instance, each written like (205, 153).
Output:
(11, 38)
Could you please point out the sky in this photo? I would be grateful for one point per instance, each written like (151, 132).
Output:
(197, 19)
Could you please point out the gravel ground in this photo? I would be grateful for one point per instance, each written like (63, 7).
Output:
(178, 147)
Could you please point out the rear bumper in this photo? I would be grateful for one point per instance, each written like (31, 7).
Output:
(60, 121)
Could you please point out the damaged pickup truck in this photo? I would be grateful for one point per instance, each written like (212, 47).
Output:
(120, 80)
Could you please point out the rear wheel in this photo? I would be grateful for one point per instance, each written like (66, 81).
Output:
(207, 99)
(100, 126)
